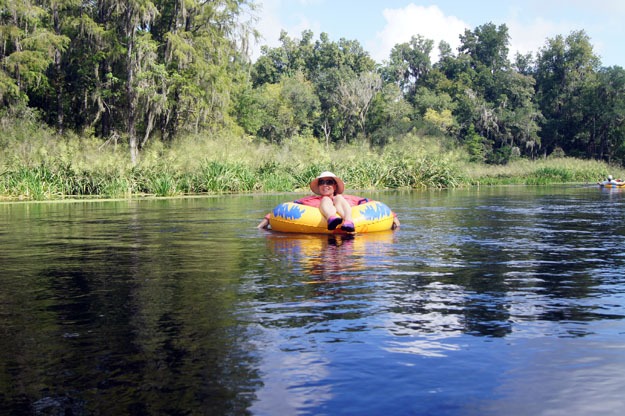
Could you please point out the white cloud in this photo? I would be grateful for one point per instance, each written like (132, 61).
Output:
(270, 25)
(431, 23)
(530, 23)
(560, 17)
(531, 36)
(412, 20)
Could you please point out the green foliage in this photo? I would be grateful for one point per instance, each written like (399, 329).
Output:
(124, 68)
(443, 121)
(410, 65)
(137, 76)
(474, 145)
(409, 163)
(342, 86)
(500, 156)
(216, 177)
(21, 131)
(565, 69)
(548, 175)
(161, 184)
(114, 186)
(272, 177)
(390, 116)
(277, 112)
(542, 172)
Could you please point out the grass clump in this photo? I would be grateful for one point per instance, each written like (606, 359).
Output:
(38, 165)
(542, 172)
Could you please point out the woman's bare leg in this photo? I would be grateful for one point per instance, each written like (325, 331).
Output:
(343, 207)
(327, 207)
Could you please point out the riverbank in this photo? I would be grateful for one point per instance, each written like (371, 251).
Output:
(69, 168)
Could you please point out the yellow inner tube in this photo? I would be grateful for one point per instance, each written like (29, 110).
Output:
(613, 185)
(290, 217)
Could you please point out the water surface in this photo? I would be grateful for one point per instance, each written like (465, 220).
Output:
(485, 302)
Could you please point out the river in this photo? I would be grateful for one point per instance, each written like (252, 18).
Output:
(502, 300)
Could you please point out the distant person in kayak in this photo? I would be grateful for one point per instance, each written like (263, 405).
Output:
(333, 205)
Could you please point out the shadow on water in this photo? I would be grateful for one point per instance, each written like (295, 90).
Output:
(116, 308)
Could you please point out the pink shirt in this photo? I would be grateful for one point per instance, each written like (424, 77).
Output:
(315, 200)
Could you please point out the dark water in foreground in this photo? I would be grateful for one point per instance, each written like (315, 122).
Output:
(485, 302)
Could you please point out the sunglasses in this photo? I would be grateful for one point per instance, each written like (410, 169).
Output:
(326, 182)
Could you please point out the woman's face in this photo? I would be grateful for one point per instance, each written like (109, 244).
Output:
(326, 186)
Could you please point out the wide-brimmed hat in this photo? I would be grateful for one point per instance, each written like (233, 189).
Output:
(314, 184)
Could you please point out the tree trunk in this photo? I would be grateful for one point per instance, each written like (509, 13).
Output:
(58, 78)
(131, 95)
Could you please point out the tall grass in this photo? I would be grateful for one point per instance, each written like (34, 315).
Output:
(542, 172)
(40, 165)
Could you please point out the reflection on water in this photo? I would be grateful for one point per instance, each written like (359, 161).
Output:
(331, 258)
(497, 301)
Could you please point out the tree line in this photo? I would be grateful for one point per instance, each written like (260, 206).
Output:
(142, 70)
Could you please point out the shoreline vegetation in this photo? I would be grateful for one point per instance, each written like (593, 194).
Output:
(45, 167)
(162, 99)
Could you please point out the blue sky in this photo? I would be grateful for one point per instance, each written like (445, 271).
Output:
(380, 24)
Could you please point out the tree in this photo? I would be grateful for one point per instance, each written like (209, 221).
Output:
(491, 100)
(329, 66)
(565, 67)
(409, 64)
(605, 115)
(390, 115)
(487, 45)
(125, 68)
(519, 115)
(279, 111)
(29, 45)
(354, 97)
(204, 62)
(286, 60)
(135, 15)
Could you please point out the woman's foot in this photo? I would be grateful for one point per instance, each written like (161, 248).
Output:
(348, 226)
(333, 222)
